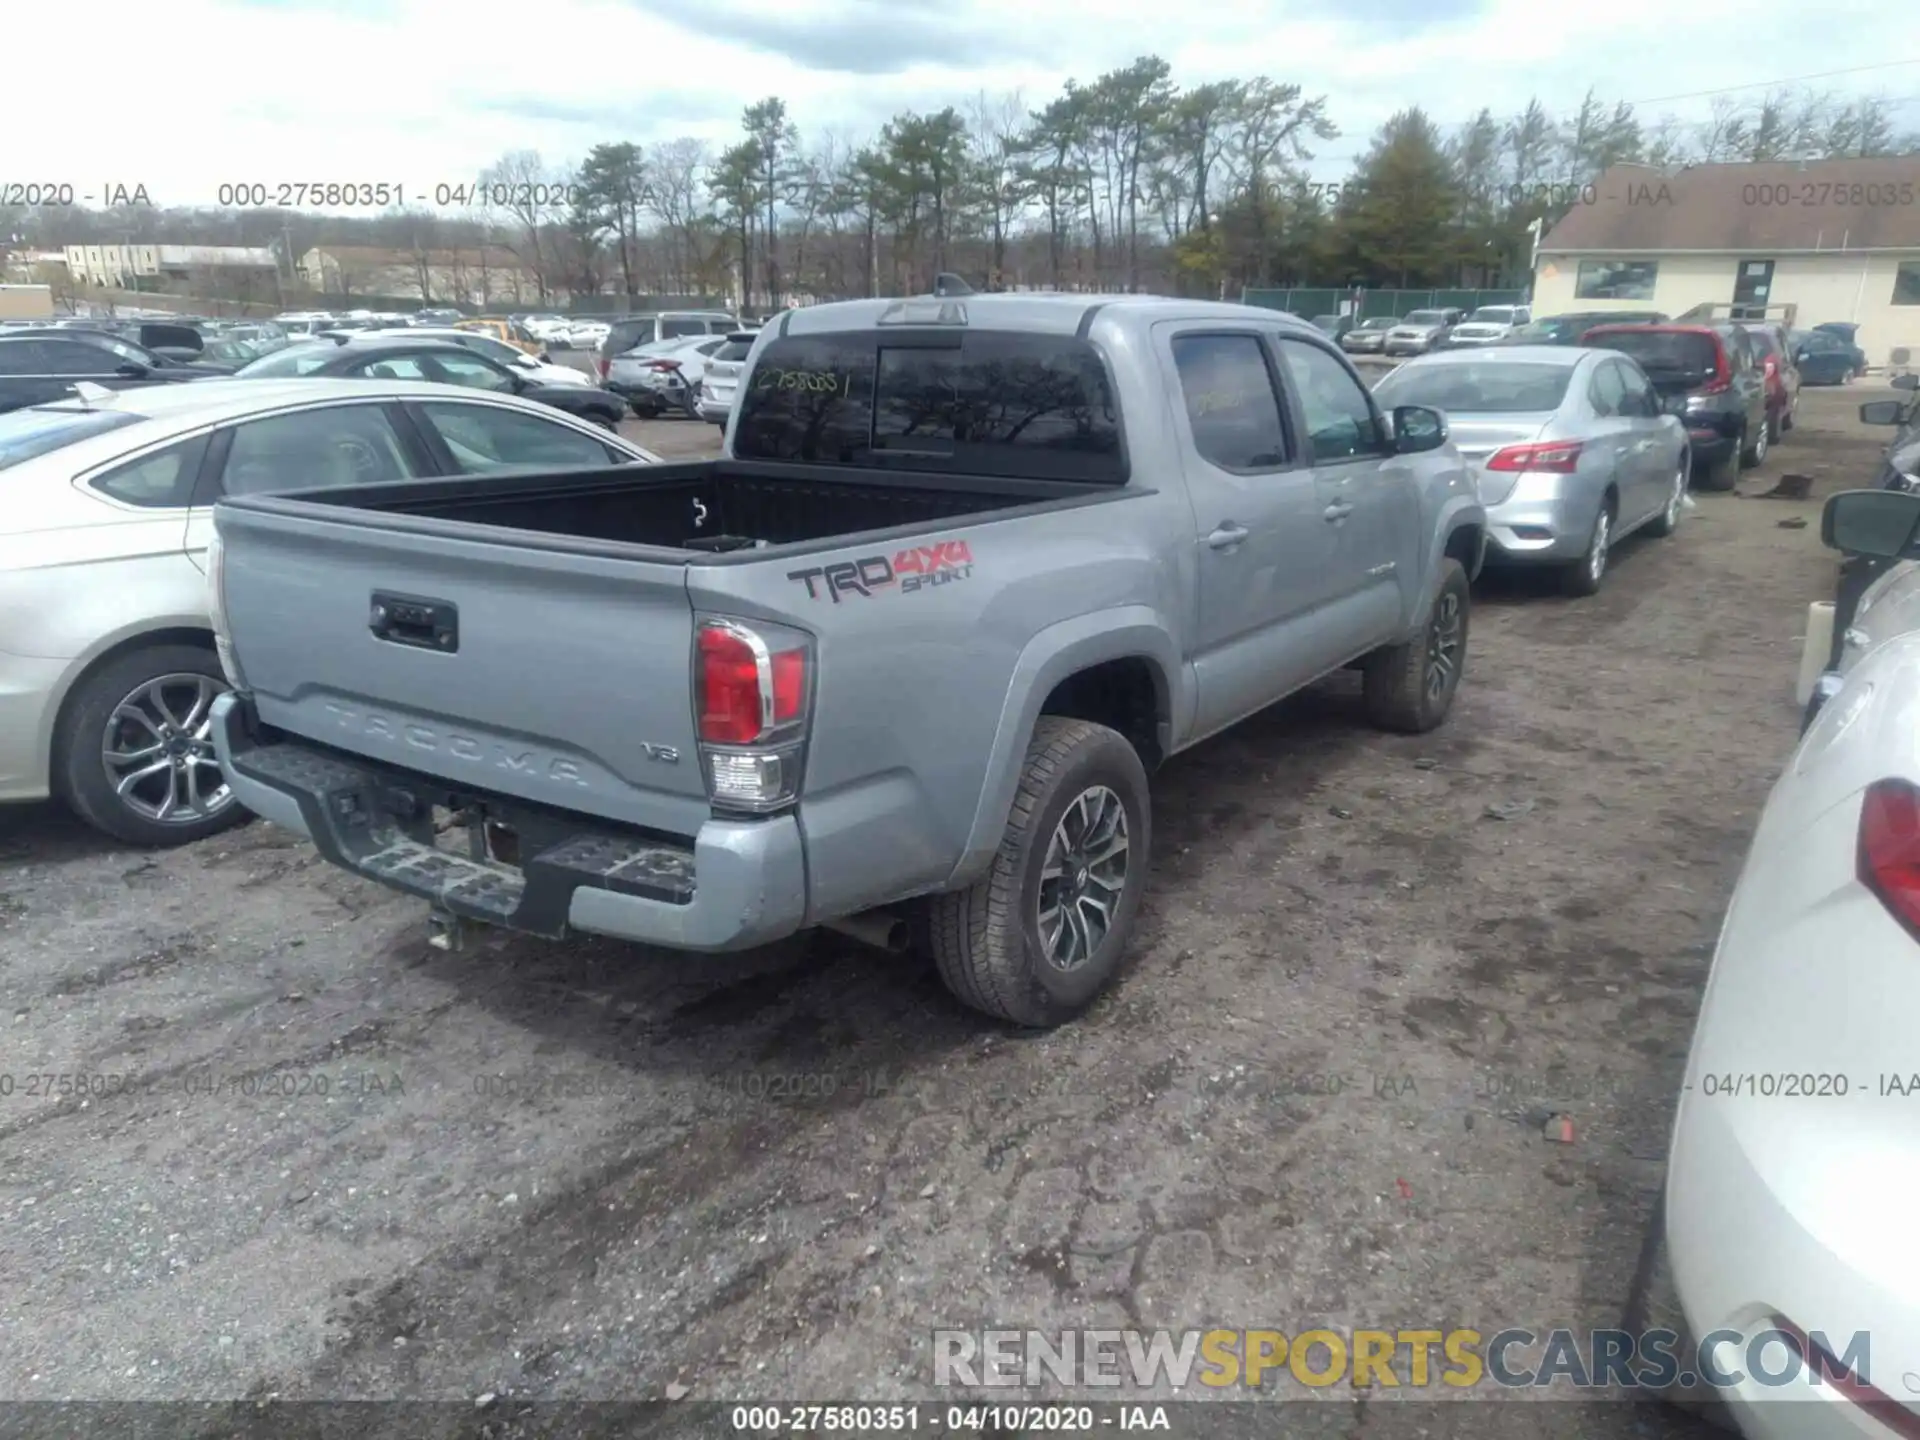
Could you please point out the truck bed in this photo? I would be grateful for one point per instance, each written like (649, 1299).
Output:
(705, 509)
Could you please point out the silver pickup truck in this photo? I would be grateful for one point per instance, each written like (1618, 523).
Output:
(900, 664)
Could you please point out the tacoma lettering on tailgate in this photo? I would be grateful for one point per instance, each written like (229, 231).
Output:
(941, 563)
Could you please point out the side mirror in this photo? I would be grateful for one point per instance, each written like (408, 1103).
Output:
(132, 370)
(1905, 382)
(1882, 412)
(1800, 357)
(1876, 523)
(1416, 429)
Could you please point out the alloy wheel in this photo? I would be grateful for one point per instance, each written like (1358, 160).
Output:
(1443, 646)
(158, 750)
(1597, 547)
(1083, 877)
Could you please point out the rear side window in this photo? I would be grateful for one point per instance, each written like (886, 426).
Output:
(162, 480)
(1009, 404)
(1231, 405)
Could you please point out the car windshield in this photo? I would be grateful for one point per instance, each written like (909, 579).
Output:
(1376, 322)
(296, 360)
(1492, 388)
(1544, 330)
(1661, 352)
(1426, 317)
(25, 434)
(732, 351)
(1763, 341)
(1327, 322)
(1492, 315)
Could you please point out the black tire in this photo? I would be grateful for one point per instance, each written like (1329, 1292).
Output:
(1583, 577)
(986, 939)
(1393, 680)
(1754, 453)
(605, 419)
(80, 773)
(1717, 474)
(1668, 521)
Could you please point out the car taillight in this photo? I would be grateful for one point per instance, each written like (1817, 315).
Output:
(217, 611)
(752, 686)
(1888, 860)
(605, 366)
(663, 365)
(1555, 457)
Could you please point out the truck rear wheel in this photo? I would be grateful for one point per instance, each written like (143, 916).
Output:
(1410, 687)
(1039, 937)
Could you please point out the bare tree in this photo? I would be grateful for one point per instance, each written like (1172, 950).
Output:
(527, 193)
(676, 198)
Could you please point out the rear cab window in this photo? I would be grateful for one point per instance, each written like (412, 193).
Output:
(1004, 403)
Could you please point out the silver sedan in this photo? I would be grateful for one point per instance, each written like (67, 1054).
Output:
(1572, 449)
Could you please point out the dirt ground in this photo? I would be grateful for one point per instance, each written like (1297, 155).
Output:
(334, 1162)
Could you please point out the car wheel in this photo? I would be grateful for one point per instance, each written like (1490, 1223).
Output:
(1043, 933)
(136, 757)
(606, 419)
(1410, 687)
(1753, 455)
(1668, 520)
(1584, 576)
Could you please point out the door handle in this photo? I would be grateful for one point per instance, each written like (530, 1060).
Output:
(1226, 536)
(1338, 510)
(409, 620)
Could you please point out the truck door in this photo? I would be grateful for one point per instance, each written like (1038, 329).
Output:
(1369, 507)
(1260, 542)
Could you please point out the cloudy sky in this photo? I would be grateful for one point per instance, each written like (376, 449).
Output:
(425, 92)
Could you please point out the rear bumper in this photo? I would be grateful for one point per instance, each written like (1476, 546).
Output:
(1539, 524)
(28, 692)
(737, 884)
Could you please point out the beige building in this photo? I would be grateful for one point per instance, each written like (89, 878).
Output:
(123, 266)
(1839, 240)
(484, 277)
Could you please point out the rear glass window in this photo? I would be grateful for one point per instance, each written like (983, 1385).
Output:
(1660, 351)
(627, 334)
(25, 434)
(733, 350)
(1019, 405)
(1493, 388)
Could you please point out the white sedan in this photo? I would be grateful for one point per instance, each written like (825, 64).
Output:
(1796, 1146)
(107, 661)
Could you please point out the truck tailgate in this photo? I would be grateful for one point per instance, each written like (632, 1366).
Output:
(558, 678)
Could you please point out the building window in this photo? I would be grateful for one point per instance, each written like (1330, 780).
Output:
(1906, 283)
(1616, 280)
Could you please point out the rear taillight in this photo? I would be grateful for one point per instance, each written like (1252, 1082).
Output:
(1888, 862)
(663, 365)
(605, 366)
(1722, 380)
(752, 688)
(217, 610)
(1555, 457)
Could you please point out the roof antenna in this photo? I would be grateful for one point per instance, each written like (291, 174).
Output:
(947, 283)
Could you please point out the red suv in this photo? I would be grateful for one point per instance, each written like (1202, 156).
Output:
(1781, 373)
(1712, 378)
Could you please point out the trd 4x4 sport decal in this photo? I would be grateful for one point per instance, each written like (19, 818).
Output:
(940, 563)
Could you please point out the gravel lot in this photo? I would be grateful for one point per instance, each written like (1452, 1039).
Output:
(337, 1162)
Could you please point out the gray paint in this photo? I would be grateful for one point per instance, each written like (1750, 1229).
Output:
(572, 663)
